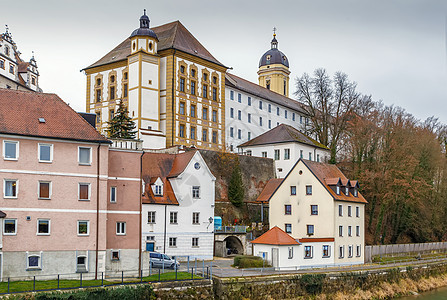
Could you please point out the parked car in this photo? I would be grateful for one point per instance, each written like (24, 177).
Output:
(160, 260)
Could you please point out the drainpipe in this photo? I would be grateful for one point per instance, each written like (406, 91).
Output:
(164, 234)
(97, 210)
(315, 154)
(140, 251)
(173, 98)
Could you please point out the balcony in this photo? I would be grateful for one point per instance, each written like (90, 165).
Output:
(126, 144)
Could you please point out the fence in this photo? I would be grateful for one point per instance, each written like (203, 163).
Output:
(402, 249)
(232, 229)
(192, 270)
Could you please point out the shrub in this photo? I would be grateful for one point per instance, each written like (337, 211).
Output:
(248, 261)
(313, 283)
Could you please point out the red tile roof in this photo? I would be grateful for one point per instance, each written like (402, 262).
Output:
(20, 112)
(170, 36)
(163, 166)
(275, 236)
(269, 189)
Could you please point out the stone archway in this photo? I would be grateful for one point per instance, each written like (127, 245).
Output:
(233, 246)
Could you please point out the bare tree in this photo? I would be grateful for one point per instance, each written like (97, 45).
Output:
(329, 103)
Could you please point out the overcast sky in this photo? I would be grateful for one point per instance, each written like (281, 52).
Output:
(394, 49)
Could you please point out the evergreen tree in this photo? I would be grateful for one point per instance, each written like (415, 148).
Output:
(236, 187)
(121, 126)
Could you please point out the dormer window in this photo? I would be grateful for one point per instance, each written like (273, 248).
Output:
(355, 192)
(347, 191)
(158, 190)
(337, 190)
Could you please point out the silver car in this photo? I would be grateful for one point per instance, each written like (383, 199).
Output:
(160, 260)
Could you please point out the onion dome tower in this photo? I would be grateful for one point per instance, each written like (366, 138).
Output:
(273, 69)
(144, 38)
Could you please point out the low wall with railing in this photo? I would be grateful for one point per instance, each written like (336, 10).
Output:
(402, 249)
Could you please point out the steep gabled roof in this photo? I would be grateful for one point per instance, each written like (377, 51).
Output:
(170, 36)
(275, 236)
(244, 85)
(283, 133)
(269, 189)
(20, 112)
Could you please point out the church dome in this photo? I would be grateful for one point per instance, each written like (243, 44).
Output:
(144, 29)
(273, 56)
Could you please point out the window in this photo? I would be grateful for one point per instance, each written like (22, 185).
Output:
(314, 210)
(270, 108)
(83, 227)
(120, 228)
(10, 188)
(10, 150)
(326, 251)
(193, 73)
(239, 115)
(205, 113)
(98, 95)
(181, 132)
(249, 118)
(84, 191)
(310, 155)
(359, 250)
(81, 264)
(355, 192)
(277, 111)
(193, 111)
(288, 228)
(214, 80)
(310, 229)
(307, 251)
(2, 64)
(260, 104)
(293, 190)
(308, 190)
(357, 230)
(290, 252)
(196, 192)
(195, 218)
(285, 114)
(286, 154)
(204, 135)
(115, 255)
(239, 98)
(249, 153)
(231, 132)
(205, 91)
(277, 154)
(264, 154)
(249, 101)
(349, 230)
(33, 261)
(182, 108)
(214, 137)
(293, 116)
(85, 155)
(173, 217)
(318, 157)
(340, 210)
(11, 68)
(44, 189)
(231, 112)
(340, 230)
(98, 117)
(270, 124)
(268, 81)
(113, 194)
(172, 242)
(9, 226)
(214, 94)
(125, 90)
(287, 209)
(43, 227)
(357, 212)
(350, 251)
(231, 95)
(341, 251)
(193, 87)
(45, 152)
(195, 242)
(349, 211)
(239, 134)
(111, 114)
(260, 121)
(193, 133)
(112, 92)
(151, 217)
(205, 77)
(214, 117)
(182, 69)
(182, 84)
(301, 153)
(337, 190)
(347, 191)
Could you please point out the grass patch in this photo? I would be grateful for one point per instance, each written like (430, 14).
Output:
(404, 258)
(27, 286)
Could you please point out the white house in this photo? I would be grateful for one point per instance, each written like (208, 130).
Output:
(285, 144)
(321, 209)
(178, 205)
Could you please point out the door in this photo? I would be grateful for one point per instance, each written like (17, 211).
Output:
(150, 247)
(275, 257)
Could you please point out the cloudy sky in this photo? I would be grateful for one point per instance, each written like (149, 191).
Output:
(394, 49)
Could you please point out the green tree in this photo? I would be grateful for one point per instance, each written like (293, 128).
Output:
(121, 126)
(236, 187)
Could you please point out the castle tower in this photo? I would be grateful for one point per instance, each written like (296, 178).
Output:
(274, 69)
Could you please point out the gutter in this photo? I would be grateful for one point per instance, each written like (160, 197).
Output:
(97, 210)
(164, 232)
(173, 98)
(140, 252)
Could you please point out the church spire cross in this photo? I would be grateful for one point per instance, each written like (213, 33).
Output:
(274, 31)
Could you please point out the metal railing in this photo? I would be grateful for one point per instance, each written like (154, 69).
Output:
(232, 229)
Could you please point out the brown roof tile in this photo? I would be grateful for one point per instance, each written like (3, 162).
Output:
(282, 133)
(20, 112)
(269, 189)
(172, 35)
(275, 236)
(332, 181)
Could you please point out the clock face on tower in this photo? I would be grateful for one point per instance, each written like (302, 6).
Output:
(197, 166)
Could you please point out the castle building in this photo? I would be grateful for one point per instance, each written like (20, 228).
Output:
(14, 72)
(173, 87)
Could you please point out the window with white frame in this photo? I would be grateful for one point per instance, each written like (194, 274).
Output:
(355, 192)
(33, 261)
(288, 228)
(301, 154)
(84, 191)
(158, 190)
(286, 154)
(115, 255)
(83, 228)
(326, 251)
(308, 251)
(172, 242)
(120, 228)
(340, 230)
(310, 230)
(347, 191)
(349, 211)
(43, 227)
(340, 210)
(314, 210)
(113, 194)
(357, 212)
(308, 190)
(10, 226)
(85, 155)
(337, 190)
(277, 154)
(10, 188)
(349, 230)
(10, 150)
(341, 251)
(293, 190)
(264, 154)
(357, 230)
(195, 242)
(350, 251)
(310, 155)
(81, 264)
(45, 153)
(249, 118)
(196, 218)
(359, 250)
(173, 217)
(290, 252)
(151, 217)
(318, 157)
(196, 192)
(44, 189)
